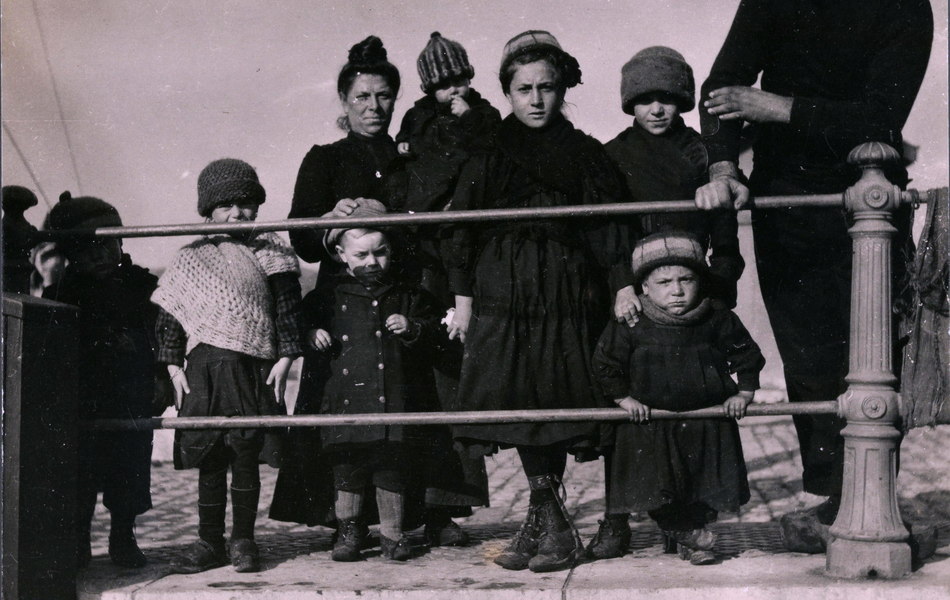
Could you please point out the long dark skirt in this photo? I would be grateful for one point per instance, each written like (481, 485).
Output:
(538, 307)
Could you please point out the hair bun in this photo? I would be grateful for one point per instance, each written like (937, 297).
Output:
(369, 51)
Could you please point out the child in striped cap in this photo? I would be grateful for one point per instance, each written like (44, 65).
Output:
(445, 127)
(681, 356)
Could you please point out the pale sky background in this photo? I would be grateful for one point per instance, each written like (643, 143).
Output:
(150, 91)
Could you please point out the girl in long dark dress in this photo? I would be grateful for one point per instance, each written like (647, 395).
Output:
(330, 179)
(531, 297)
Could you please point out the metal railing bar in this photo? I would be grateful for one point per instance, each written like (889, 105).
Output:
(448, 418)
(461, 216)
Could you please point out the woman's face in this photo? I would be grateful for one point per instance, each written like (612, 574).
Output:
(535, 94)
(369, 105)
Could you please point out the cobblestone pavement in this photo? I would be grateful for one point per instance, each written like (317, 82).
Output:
(771, 452)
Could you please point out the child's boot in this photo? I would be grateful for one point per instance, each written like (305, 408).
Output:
(245, 557)
(395, 549)
(209, 551)
(524, 546)
(349, 541)
(559, 544)
(201, 556)
(123, 549)
(441, 530)
(393, 543)
(695, 546)
(612, 539)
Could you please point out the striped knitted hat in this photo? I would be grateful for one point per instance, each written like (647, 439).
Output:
(228, 181)
(667, 248)
(442, 60)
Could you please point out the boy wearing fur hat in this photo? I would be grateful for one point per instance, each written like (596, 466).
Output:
(449, 124)
(116, 371)
(375, 336)
(679, 357)
(230, 308)
(663, 159)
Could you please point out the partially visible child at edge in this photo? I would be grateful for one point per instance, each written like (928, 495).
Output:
(376, 334)
(230, 306)
(116, 371)
(678, 357)
(445, 127)
(663, 159)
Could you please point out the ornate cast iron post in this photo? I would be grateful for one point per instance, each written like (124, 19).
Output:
(870, 538)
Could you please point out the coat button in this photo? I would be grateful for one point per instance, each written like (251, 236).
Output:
(343, 308)
(382, 399)
(346, 403)
(346, 371)
(379, 334)
(345, 338)
(381, 367)
(375, 303)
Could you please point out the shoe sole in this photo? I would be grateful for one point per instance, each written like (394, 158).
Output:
(516, 562)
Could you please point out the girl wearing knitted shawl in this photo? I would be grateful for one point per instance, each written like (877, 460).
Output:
(230, 305)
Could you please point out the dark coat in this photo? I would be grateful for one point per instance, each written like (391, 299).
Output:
(116, 379)
(673, 166)
(440, 143)
(368, 369)
(678, 367)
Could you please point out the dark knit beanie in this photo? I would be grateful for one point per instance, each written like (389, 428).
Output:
(535, 40)
(16, 199)
(657, 69)
(667, 248)
(228, 181)
(441, 61)
(84, 212)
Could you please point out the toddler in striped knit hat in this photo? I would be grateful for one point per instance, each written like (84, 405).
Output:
(444, 127)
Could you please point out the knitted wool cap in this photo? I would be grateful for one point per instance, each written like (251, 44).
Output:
(442, 60)
(657, 69)
(226, 181)
(540, 40)
(17, 199)
(84, 212)
(367, 207)
(667, 248)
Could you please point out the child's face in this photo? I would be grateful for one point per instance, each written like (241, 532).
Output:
(673, 288)
(99, 257)
(655, 112)
(366, 254)
(456, 87)
(234, 213)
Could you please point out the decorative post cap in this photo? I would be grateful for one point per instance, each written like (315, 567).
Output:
(873, 154)
(872, 192)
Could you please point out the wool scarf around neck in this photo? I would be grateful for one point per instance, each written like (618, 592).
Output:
(657, 315)
(558, 155)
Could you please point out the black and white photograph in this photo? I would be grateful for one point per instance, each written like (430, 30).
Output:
(607, 299)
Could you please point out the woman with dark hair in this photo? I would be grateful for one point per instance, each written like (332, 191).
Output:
(330, 180)
(532, 297)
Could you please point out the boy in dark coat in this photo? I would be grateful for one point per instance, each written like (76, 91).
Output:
(444, 128)
(117, 371)
(679, 357)
(376, 336)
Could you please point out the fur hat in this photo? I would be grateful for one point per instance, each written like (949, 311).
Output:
(16, 199)
(84, 212)
(442, 60)
(657, 69)
(367, 207)
(225, 181)
(667, 248)
(541, 40)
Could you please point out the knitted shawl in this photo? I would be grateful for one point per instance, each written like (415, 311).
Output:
(217, 289)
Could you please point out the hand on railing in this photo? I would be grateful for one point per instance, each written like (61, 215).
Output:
(724, 189)
(460, 319)
(639, 413)
(180, 382)
(278, 377)
(627, 306)
(736, 405)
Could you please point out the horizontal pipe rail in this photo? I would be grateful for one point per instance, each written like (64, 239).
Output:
(449, 418)
(462, 216)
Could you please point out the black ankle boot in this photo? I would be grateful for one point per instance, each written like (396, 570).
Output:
(349, 541)
(612, 539)
(123, 549)
(518, 553)
(559, 544)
